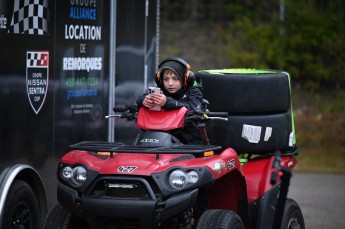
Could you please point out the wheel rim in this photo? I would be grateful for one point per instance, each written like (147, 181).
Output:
(293, 224)
(21, 217)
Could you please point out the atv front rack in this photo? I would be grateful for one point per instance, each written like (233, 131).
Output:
(115, 147)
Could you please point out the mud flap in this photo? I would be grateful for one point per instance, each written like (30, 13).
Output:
(263, 210)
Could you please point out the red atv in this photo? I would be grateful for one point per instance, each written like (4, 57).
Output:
(238, 178)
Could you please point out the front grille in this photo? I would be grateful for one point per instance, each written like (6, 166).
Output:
(125, 188)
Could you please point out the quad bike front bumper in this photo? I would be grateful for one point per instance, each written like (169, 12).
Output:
(142, 213)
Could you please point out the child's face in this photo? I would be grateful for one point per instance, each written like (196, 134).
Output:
(171, 82)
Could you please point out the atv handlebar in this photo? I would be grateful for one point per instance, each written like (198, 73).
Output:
(217, 115)
(128, 112)
(202, 116)
(119, 108)
(131, 113)
(113, 115)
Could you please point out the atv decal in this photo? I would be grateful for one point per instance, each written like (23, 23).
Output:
(251, 133)
(223, 165)
(123, 186)
(268, 133)
(149, 140)
(231, 164)
(217, 167)
(126, 169)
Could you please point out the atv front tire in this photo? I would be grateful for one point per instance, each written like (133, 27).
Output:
(58, 217)
(293, 217)
(220, 219)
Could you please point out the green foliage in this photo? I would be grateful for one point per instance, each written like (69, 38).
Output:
(309, 42)
(305, 38)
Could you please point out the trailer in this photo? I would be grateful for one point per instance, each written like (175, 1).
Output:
(63, 66)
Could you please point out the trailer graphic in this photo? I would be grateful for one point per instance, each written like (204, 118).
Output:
(63, 66)
(37, 78)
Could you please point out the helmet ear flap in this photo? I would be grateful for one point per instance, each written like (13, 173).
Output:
(158, 78)
(189, 79)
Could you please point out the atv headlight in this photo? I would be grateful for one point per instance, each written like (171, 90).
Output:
(179, 179)
(79, 176)
(193, 177)
(67, 173)
(74, 176)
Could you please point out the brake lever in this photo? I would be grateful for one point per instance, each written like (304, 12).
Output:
(218, 118)
(112, 116)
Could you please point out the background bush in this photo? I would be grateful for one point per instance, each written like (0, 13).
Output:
(307, 38)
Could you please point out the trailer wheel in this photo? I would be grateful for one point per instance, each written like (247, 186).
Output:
(220, 219)
(58, 217)
(21, 208)
(293, 217)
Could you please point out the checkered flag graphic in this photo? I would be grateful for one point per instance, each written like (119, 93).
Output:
(30, 17)
(37, 59)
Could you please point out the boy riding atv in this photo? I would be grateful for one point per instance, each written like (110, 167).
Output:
(178, 89)
(163, 181)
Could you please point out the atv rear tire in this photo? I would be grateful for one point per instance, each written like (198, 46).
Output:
(293, 217)
(220, 219)
(58, 217)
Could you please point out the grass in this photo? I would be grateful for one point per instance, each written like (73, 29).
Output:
(321, 160)
(320, 130)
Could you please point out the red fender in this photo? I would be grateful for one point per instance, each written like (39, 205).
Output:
(258, 173)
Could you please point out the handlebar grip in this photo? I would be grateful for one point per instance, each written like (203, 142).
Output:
(217, 114)
(120, 108)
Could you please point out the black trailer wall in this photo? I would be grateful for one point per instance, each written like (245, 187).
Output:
(74, 100)
(136, 54)
(55, 74)
(54, 80)
(82, 70)
(27, 83)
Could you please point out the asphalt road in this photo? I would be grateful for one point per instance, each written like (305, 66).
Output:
(321, 198)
